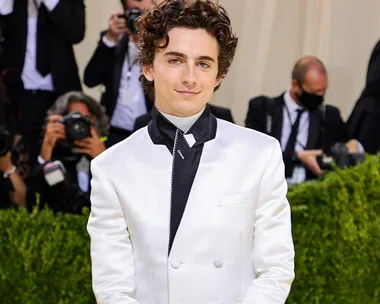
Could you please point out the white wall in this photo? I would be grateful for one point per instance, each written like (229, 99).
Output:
(273, 34)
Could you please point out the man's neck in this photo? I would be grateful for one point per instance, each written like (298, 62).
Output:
(182, 123)
(295, 98)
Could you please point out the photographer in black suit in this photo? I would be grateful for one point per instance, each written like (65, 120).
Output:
(115, 65)
(38, 63)
(73, 136)
(306, 128)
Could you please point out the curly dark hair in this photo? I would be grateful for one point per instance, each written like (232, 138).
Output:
(154, 25)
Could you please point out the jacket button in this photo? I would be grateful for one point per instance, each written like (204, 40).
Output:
(218, 263)
(176, 264)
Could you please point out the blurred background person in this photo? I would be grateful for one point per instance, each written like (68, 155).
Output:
(305, 127)
(73, 136)
(364, 121)
(13, 158)
(38, 62)
(115, 65)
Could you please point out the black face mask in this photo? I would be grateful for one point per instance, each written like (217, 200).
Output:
(310, 101)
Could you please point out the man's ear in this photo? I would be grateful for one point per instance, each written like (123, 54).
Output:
(148, 72)
(219, 80)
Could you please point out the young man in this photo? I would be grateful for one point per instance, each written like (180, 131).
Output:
(190, 209)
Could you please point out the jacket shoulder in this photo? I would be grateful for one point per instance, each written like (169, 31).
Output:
(235, 134)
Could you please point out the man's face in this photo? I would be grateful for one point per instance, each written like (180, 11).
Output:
(185, 72)
(140, 4)
(315, 83)
(82, 109)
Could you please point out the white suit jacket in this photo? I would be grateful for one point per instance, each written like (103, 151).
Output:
(234, 242)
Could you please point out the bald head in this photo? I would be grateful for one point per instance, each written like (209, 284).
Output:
(305, 65)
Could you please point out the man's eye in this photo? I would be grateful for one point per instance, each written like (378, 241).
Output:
(174, 61)
(204, 65)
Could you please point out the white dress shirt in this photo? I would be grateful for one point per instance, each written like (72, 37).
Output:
(31, 78)
(130, 103)
(289, 117)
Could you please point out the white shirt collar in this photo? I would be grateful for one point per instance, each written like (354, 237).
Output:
(182, 123)
(290, 104)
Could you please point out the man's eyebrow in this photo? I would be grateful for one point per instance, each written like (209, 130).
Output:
(177, 54)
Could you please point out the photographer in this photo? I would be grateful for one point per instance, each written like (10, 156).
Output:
(115, 65)
(38, 62)
(312, 135)
(72, 138)
(12, 172)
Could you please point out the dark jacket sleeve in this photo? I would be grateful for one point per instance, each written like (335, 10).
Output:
(69, 17)
(372, 87)
(256, 116)
(335, 128)
(99, 65)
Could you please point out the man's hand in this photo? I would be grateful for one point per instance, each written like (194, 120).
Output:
(54, 131)
(116, 26)
(92, 146)
(6, 162)
(353, 146)
(309, 159)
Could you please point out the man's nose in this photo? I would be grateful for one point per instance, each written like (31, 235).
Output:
(188, 75)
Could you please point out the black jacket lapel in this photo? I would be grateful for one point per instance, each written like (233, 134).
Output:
(277, 118)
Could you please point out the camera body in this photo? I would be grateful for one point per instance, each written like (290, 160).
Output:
(130, 16)
(5, 141)
(339, 156)
(77, 127)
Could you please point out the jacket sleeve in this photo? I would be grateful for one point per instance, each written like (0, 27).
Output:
(99, 65)
(272, 250)
(111, 249)
(256, 116)
(70, 19)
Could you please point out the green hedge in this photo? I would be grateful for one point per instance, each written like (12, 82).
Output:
(336, 230)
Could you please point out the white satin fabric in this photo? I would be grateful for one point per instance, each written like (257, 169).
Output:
(233, 245)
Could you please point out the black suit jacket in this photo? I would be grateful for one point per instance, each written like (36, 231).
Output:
(364, 121)
(64, 26)
(326, 127)
(218, 112)
(105, 67)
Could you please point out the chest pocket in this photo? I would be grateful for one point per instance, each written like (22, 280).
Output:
(238, 199)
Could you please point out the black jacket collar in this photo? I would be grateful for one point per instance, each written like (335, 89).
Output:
(162, 131)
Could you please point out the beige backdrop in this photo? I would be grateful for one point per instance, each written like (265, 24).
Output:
(273, 34)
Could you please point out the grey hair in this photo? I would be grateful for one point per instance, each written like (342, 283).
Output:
(61, 107)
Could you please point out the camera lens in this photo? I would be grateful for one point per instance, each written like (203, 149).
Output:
(79, 129)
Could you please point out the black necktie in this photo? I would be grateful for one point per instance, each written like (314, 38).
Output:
(42, 59)
(290, 146)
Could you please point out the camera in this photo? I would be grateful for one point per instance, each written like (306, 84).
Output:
(77, 127)
(130, 16)
(339, 156)
(5, 141)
